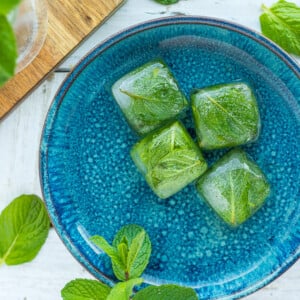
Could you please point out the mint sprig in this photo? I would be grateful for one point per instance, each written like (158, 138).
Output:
(129, 252)
(24, 227)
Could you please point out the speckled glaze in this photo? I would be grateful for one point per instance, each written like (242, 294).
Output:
(91, 186)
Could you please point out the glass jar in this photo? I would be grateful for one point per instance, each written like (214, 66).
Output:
(30, 22)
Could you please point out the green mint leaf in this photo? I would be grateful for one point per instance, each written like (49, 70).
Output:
(7, 5)
(8, 50)
(175, 164)
(281, 23)
(123, 290)
(108, 249)
(167, 2)
(123, 251)
(118, 259)
(139, 250)
(24, 227)
(135, 248)
(85, 289)
(166, 292)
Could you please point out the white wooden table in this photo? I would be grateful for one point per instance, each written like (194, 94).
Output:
(20, 134)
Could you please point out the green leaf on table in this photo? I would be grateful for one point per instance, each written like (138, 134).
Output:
(139, 251)
(85, 289)
(8, 50)
(123, 290)
(167, 2)
(24, 227)
(281, 23)
(7, 5)
(166, 292)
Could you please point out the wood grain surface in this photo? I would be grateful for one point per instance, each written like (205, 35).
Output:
(69, 23)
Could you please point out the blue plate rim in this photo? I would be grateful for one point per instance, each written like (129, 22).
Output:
(76, 71)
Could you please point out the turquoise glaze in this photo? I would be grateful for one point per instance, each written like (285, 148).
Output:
(91, 185)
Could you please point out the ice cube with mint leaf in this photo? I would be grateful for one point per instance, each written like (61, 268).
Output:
(225, 115)
(149, 96)
(235, 187)
(169, 159)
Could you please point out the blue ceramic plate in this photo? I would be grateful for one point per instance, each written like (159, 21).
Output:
(91, 185)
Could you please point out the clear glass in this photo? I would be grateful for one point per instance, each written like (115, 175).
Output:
(30, 22)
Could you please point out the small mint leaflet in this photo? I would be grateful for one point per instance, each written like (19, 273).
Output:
(24, 227)
(123, 252)
(166, 292)
(118, 255)
(85, 289)
(108, 249)
(123, 290)
(135, 249)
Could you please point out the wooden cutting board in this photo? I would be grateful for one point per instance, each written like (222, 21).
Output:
(69, 22)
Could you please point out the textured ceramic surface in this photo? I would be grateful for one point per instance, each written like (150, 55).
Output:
(91, 186)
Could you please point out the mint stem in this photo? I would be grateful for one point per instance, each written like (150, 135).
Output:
(126, 275)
